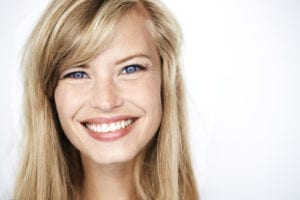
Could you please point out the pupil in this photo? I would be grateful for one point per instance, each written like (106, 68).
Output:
(131, 69)
(78, 75)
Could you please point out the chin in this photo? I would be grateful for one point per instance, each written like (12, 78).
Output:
(110, 158)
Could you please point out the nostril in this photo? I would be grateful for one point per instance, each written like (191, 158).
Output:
(105, 95)
(106, 102)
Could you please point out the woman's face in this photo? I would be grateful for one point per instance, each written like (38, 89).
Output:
(110, 108)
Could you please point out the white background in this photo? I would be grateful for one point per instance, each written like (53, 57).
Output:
(242, 68)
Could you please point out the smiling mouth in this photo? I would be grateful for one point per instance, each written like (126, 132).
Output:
(108, 127)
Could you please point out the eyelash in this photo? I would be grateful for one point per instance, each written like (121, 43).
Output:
(134, 67)
(126, 70)
(73, 75)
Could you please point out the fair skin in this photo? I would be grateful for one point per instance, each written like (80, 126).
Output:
(110, 109)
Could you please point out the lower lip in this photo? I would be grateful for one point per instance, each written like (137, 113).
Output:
(110, 136)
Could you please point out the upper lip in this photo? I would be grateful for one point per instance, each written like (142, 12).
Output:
(101, 120)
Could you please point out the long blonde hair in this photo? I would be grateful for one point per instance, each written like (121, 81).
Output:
(72, 32)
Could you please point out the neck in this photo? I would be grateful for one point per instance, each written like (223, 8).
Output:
(113, 181)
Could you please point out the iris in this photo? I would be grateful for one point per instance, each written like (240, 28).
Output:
(132, 68)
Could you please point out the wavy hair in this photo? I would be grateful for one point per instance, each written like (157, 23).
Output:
(73, 32)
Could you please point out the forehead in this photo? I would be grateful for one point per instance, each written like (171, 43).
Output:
(131, 36)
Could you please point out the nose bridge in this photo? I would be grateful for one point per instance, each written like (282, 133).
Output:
(105, 94)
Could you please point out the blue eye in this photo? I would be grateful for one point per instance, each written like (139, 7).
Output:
(78, 74)
(132, 68)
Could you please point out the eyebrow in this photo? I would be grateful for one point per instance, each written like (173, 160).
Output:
(133, 56)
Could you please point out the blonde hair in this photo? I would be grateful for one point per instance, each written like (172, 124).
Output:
(73, 32)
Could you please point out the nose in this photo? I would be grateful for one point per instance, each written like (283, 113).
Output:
(105, 96)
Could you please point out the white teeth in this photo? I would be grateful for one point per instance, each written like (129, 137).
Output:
(112, 126)
(123, 124)
(104, 128)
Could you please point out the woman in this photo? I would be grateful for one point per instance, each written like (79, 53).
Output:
(104, 104)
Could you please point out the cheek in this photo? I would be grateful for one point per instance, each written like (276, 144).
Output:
(67, 101)
(146, 95)
(61, 98)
